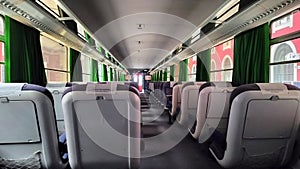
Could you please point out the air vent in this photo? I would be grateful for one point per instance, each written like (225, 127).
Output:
(27, 16)
(262, 15)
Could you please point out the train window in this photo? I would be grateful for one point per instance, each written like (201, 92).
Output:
(56, 76)
(2, 75)
(86, 68)
(284, 61)
(168, 73)
(213, 68)
(285, 49)
(222, 62)
(100, 67)
(1, 26)
(192, 65)
(2, 54)
(108, 73)
(86, 78)
(55, 60)
(285, 25)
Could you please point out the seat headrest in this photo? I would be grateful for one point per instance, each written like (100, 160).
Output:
(267, 87)
(215, 84)
(101, 87)
(272, 87)
(186, 84)
(9, 88)
(172, 84)
(56, 85)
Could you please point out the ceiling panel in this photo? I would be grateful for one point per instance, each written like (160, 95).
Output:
(115, 22)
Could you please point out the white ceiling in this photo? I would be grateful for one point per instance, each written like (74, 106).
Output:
(166, 23)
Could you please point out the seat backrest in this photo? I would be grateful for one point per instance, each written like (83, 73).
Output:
(103, 124)
(262, 127)
(151, 86)
(176, 98)
(189, 101)
(57, 90)
(212, 112)
(28, 127)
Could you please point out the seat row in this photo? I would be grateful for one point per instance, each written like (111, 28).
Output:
(252, 125)
(102, 125)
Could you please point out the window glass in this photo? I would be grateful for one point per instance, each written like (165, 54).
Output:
(86, 78)
(56, 76)
(100, 67)
(215, 76)
(168, 73)
(285, 51)
(192, 65)
(108, 73)
(226, 75)
(176, 72)
(86, 62)
(222, 56)
(1, 26)
(1, 51)
(285, 25)
(54, 54)
(221, 64)
(192, 78)
(212, 76)
(2, 75)
(285, 72)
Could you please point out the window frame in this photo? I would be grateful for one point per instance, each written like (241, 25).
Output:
(2, 40)
(281, 39)
(194, 74)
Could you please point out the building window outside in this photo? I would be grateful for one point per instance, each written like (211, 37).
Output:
(55, 58)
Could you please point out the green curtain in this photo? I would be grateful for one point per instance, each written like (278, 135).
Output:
(111, 74)
(251, 56)
(203, 66)
(24, 59)
(172, 72)
(153, 77)
(104, 73)
(122, 77)
(183, 70)
(75, 66)
(94, 71)
(165, 75)
(160, 75)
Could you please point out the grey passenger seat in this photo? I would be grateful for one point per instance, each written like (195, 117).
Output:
(262, 127)
(212, 110)
(57, 90)
(29, 137)
(103, 126)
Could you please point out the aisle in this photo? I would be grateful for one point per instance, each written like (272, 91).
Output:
(187, 154)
